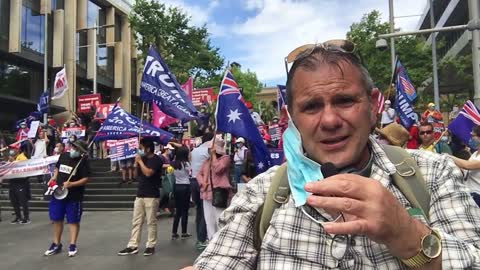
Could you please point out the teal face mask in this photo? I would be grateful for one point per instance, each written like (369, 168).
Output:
(300, 169)
(74, 154)
(141, 152)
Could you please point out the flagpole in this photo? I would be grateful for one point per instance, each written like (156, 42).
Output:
(141, 121)
(392, 78)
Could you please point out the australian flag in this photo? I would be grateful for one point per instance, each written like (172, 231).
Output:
(160, 86)
(42, 105)
(233, 117)
(281, 96)
(405, 96)
(463, 124)
(121, 125)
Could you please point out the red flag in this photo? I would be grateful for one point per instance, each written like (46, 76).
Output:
(380, 102)
(160, 119)
(187, 87)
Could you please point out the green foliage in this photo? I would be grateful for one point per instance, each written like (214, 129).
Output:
(248, 81)
(414, 55)
(186, 49)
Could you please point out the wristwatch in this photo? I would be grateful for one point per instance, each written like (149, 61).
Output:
(430, 248)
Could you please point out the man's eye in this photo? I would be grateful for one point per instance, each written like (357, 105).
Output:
(345, 101)
(311, 106)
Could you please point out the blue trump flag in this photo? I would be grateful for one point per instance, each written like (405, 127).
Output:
(160, 86)
(122, 125)
(233, 117)
(281, 96)
(404, 82)
(463, 124)
(405, 95)
(42, 105)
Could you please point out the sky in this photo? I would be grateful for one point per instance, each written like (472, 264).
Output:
(258, 34)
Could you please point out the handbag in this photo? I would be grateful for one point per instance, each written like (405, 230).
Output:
(219, 195)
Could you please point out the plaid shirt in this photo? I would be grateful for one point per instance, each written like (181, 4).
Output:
(293, 241)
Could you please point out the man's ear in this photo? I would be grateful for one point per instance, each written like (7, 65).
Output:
(374, 102)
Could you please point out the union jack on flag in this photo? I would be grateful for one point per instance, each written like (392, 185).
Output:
(229, 86)
(463, 124)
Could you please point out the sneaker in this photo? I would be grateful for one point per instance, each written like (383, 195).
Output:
(149, 251)
(15, 221)
(25, 221)
(201, 245)
(175, 236)
(72, 250)
(186, 235)
(54, 249)
(128, 251)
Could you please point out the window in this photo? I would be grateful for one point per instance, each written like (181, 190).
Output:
(4, 19)
(32, 32)
(20, 81)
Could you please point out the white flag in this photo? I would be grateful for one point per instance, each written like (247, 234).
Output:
(61, 85)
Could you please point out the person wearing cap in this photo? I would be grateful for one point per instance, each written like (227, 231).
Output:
(257, 119)
(218, 167)
(388, 114)
(431, 115)
(22, 133)
(239, 158)
(393, 134)
(69, 164)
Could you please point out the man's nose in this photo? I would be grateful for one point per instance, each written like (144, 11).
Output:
(330, 118)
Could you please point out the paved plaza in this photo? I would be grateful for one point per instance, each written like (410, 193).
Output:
(102, 235)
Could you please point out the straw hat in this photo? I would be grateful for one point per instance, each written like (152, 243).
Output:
(395, 134)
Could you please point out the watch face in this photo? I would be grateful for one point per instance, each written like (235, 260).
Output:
(431, 246)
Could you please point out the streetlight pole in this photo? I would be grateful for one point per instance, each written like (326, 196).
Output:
(45, 59)
(436, 93)
(392, 30)
(473, 6)
(95, 57)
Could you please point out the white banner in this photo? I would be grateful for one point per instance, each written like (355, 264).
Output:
(32, 132)
(28, 168)
(61, 85)
(77, 131)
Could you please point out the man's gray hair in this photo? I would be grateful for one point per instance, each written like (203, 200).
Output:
(320, 57)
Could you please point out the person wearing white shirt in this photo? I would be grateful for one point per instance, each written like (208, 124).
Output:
(40, 146)
(388, 114)
(473, 167)
(198, 157)
(238, 158)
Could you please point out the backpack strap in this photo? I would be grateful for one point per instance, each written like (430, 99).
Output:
(409, 179)
(278, 194)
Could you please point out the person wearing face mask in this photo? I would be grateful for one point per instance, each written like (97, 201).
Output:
(473, 166)
(19, 190)
(59, 148)
(239, 158)
(388, 114)
(145, 208)
(69, 164)
(22, 133)
(333, 109)
(454, 113)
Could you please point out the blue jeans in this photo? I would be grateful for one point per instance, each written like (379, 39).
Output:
(238, 173)
(200, 224)
(476, 197)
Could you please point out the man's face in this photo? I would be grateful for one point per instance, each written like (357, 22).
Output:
(41, 135)
(60, 147)
(426, 135)
(431, 108)
(333, 113)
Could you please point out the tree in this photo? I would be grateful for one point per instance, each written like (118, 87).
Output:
(186, 49)
(412, 52)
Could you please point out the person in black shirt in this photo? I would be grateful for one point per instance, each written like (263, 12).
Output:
(146, 203)
(71, 206)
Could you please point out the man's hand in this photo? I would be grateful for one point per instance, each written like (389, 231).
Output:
(138, 159)
(67, 184)
(51, 180)
(370, 210)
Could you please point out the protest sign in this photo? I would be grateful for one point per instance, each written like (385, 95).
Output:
(77, 131)
(32, 132)
(202, 95)
(122, 149)
(275, 132)
(103, 110)
(27, 168)
(85, 102)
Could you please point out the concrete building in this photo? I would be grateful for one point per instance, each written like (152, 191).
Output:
(22, 50)
(449, 13)
(267, 95)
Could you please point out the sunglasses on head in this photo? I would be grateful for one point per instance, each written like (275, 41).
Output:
(334, 45)
(426, 132)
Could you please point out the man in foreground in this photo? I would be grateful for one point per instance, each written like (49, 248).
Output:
(69, 163)
(333, 111)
